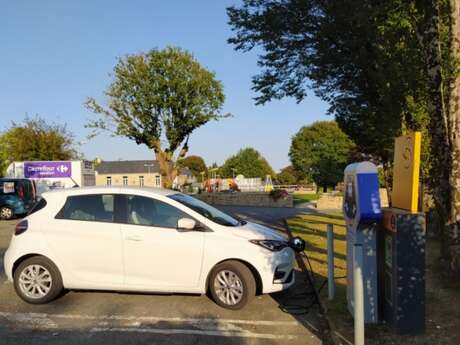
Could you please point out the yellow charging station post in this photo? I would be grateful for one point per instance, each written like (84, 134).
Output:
(406, 172)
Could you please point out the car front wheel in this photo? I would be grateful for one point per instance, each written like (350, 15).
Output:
(37, 280)
(6, 213)
(232, 285)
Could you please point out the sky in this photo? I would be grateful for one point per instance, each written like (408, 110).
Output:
(55, 54)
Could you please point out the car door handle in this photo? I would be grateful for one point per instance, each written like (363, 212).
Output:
(134, 238)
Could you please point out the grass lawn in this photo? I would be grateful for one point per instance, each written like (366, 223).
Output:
(442, 316)
(313, 229)
(300, 197)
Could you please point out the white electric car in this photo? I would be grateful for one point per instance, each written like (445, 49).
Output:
(143, 239)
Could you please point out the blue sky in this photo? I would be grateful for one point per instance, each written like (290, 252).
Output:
(54, 54)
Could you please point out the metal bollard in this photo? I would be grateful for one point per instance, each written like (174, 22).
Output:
(358, 293)
(330, 262)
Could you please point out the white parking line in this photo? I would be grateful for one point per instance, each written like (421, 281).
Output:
(241, 334)
(137, 324)
(152, 319)
(29, 321)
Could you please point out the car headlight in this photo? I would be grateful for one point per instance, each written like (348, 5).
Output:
(272, 245)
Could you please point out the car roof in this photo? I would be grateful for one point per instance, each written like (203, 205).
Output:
(108, 189)
(14, 179)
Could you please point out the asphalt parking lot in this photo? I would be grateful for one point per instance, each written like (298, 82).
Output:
(120, 318)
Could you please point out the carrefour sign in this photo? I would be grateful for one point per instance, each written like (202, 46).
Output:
(47, 169)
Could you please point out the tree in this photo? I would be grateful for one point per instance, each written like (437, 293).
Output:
(452, 145)
(321, 151)
(248, 162)
(196, 165)
(385, 67)
(360, 56)
(159, 96)
(289, 176)
(34, 139)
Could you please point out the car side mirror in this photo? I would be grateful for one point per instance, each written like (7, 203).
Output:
(186, 224)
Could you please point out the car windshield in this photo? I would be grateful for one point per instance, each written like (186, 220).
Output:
(206, 210)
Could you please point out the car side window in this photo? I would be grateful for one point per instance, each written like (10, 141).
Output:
(146, 211)
(95, 207)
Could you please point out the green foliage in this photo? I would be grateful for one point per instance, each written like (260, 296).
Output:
(3, 164)
(382, 180)
(160, 91)
(248, 162)
(288, 176)
(367, 59)
(162, 94)
(196, 165)
(385, 68)
(34, 139)
(321, 151)
(213, 166)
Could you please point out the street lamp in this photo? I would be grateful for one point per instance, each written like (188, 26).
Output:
(233, 172)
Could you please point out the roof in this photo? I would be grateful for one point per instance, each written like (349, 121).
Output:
(128, 167)
(186, 172)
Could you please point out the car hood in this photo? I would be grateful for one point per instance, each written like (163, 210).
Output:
(253, 231)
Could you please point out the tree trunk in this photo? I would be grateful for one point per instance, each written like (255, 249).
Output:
(168, 169)
(454, 139)
(428, 36)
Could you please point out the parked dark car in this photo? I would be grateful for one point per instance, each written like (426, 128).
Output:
(17, 196)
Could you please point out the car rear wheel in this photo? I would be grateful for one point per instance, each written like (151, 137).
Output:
(6, 213)
(232, 285)
(37, 280)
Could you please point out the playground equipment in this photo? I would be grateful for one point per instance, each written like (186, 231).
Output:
(268, 186)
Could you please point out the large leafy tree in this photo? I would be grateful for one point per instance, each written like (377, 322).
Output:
(158, 99)
(196, 165)
(361, 56)
(385, 67)
(35, 139)
(248, 162)
(321, 151)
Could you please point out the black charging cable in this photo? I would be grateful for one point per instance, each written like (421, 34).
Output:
(301, 303)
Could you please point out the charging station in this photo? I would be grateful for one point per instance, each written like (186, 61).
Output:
(362, 212)
(388, 257)
(401, 247)
(402, 270)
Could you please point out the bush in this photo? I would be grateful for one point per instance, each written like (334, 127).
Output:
(277, 194)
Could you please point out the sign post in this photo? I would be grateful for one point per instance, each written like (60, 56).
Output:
(330, 262)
